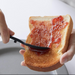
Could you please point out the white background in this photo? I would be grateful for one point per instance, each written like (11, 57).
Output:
(17, 13)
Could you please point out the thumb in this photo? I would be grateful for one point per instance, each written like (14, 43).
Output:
(70, 52)
(67, 56)
(71, 49)
(11, 32)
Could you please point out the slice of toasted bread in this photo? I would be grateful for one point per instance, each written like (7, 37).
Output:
(50, 60)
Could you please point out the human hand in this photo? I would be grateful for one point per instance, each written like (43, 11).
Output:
(22, 53)
(5, 32)
(67, 56)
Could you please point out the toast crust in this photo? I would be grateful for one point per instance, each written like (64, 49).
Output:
(51, 60)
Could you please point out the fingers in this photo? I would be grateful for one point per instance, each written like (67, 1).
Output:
(22, 52)
(67, 56)
(22, 45)
(4, 30)
(23, 63)
(2, 18)
(11, 32)
(4, 34)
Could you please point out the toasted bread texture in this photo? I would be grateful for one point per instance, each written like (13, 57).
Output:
(50, 60)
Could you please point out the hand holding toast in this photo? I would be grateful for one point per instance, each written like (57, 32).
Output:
(48, 31)
(67, 56)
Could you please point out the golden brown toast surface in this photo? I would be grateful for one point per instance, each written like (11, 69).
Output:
(50, 60)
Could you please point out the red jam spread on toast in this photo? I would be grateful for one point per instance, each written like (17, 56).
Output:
(46, 33)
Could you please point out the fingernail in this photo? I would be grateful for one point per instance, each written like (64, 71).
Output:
(64, 61)
(12, 33)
